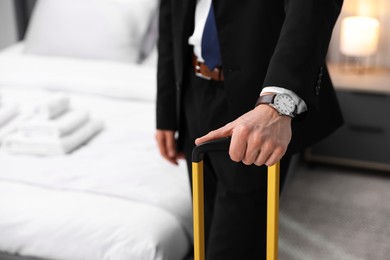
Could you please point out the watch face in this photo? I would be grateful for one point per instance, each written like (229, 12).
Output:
(284, 104)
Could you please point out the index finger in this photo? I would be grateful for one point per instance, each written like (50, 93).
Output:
(224, 131)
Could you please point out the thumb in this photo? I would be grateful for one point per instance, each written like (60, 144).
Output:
(224, 131)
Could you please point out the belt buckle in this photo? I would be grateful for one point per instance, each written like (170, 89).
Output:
(199, 74)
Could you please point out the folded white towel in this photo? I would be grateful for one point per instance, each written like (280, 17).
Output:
(19, 143)
(60, 126)
(54, 106)
(11, 126)
(7, 112)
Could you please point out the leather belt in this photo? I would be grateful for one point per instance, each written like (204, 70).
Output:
(201, 70)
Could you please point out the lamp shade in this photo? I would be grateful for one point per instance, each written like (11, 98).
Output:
(359, 36)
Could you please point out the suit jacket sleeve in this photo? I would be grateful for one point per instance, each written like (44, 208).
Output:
(166, 94)
(302, 46)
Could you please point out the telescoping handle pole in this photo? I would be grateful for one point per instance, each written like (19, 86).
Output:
(198, 199)
(198, 192)
(273, 185)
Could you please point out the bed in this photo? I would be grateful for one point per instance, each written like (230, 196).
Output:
(112, 196)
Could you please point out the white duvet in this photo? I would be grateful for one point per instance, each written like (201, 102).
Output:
(114, 198)
(108, 78)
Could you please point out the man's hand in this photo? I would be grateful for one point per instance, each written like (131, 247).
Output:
(258, 137)
(167, 146)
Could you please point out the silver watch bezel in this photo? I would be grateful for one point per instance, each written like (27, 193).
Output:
(290, 112)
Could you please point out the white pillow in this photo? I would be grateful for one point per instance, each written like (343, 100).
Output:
(95, 29)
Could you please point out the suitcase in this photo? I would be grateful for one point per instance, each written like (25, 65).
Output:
(198, 199)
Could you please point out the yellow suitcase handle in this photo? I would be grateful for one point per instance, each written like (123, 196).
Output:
(198, 199)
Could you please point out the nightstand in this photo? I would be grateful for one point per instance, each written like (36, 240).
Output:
(364, 140)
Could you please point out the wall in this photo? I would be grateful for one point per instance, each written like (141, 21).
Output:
(379, 9)
(8, 30)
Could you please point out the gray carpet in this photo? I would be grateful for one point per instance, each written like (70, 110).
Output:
(328, 213)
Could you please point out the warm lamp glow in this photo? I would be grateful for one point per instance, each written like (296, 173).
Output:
(359, 36)
(367, 8)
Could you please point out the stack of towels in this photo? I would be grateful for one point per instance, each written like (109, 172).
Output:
(53, 129)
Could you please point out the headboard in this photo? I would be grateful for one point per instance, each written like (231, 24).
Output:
(23, 10)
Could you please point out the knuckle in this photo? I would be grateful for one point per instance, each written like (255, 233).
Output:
(212, 134)
(249, 159)
(276, 144)
(234, 159)
(269, 163)
(259, 139)
(247, 162)
(272, 161)
(243, 129)
(258, 163)
(280, 150)
(268, 147)
(234, 156)
(256, 140)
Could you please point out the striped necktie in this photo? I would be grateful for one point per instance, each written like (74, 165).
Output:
(210, 44)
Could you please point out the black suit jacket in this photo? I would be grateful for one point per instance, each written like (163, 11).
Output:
(263, 43)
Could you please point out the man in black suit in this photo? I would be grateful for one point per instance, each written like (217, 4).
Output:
(253, 70)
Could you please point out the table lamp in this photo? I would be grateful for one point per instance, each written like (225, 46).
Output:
(359, 41)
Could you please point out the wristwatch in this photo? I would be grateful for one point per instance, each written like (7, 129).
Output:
(283, 103)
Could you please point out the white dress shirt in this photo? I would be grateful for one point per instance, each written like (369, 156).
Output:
(201, 13)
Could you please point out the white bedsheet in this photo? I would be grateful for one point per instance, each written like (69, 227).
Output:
(115, 198)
